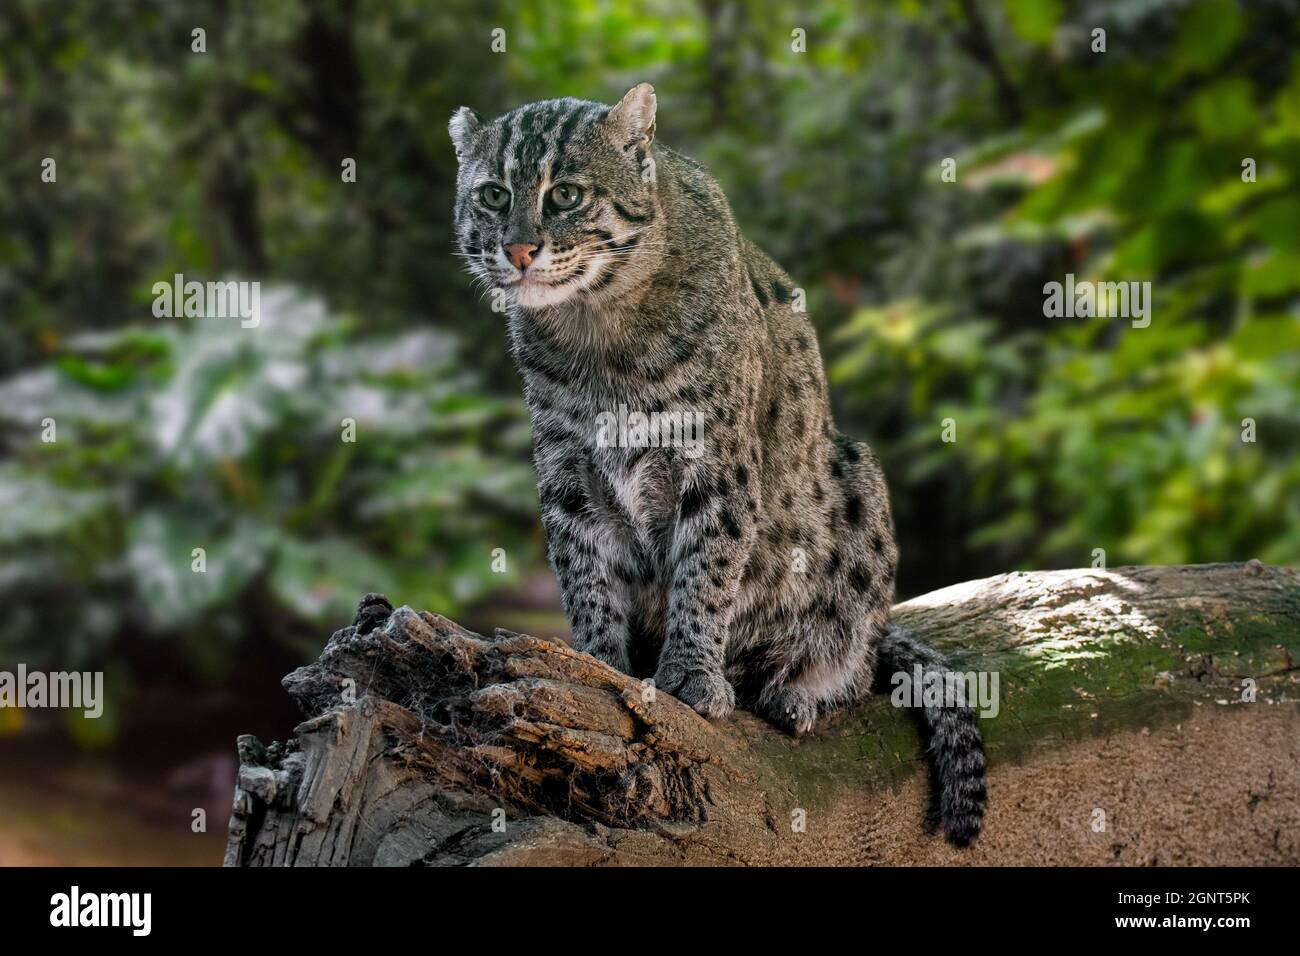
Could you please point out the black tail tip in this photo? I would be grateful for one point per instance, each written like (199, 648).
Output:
(962, 831)
(959, 799)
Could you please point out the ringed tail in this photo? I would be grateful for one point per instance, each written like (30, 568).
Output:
(952, 739)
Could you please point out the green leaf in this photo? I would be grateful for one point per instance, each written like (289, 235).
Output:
(1034, 20)
(1278, 222)
(178, 586)
(35, 508)
(1224, 111)
(1208, 30)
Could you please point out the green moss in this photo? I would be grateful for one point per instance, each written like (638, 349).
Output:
(1056, 692)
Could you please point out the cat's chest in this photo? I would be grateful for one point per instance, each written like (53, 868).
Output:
(640, 484)
(620, 436)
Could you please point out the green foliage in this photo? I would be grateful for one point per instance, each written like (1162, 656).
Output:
(238, 442)
(1086, 433)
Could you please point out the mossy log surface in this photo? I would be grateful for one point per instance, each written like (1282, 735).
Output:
(1145, 715)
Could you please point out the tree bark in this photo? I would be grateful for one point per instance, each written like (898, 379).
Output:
(1144, 715)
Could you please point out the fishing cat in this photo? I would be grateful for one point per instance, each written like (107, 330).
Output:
(759, 566)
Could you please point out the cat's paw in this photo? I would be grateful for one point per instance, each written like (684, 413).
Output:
(791, 710)
(707, 691)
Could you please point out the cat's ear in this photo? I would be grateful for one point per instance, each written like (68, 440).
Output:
(464, 124)
(631, 123)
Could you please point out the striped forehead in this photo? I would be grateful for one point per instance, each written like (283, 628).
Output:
(532, 140)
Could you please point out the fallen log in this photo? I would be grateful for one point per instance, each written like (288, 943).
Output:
(1145, 715)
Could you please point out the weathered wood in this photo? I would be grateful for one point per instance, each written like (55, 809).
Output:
(1146, 715)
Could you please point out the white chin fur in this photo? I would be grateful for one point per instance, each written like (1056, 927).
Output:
(535, 295)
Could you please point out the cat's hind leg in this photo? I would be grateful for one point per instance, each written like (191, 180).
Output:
(791, 708)
(819, 672)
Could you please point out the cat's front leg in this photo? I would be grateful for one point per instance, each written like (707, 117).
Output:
(714, 533)
(586, 551)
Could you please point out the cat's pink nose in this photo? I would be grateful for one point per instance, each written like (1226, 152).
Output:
(521, 254)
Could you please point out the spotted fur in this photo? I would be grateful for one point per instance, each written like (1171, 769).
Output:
(762, 569)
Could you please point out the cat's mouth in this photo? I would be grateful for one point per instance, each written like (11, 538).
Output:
(530, 283)
(530, 280)
(535, 291)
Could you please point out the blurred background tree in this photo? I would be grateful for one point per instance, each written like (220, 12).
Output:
(1073, 434)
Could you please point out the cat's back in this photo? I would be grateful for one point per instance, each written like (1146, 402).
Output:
(701, 221)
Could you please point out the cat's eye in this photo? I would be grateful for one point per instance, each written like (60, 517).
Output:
(566, 196)
(494, 197)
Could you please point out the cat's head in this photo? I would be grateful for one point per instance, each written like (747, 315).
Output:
(555, 200)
